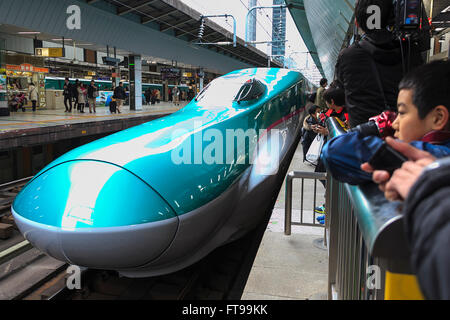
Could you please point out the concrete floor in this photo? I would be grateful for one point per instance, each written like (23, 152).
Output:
(291, 267)
(44, 118)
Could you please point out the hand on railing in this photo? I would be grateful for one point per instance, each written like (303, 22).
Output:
(398, 186)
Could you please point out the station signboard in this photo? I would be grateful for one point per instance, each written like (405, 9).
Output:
(50, 52)
(25, 67)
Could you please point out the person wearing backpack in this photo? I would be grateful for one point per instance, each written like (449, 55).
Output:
(120, 96)
(371, 69)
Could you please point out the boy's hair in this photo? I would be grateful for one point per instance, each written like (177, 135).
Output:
(430, 85)
(313, 109)
(336, 93)
(323, 82)
(362, 17)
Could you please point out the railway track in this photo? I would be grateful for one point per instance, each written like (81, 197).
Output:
(8, 192)
(23, 269)
(28, 274)
(221, 275)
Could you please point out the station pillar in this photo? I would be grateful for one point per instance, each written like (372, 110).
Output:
(166, 90)
(135, 68)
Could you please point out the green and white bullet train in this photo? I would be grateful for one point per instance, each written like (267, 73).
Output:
(159, 197)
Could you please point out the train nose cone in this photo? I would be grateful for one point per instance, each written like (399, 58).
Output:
(95, 214)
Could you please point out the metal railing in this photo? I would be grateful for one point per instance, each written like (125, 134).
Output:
(288, 200)
(349, 258)
(368, 253)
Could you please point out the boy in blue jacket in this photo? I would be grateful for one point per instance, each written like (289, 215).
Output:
(422, 121)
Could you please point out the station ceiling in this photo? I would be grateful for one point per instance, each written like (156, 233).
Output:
(157, 30)
(184, 22)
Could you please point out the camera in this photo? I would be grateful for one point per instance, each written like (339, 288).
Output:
(388, 159)
(380, 126)
(408, 15)
(411, 23)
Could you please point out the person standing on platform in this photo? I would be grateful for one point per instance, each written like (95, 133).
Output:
(67, 95)
(148, 95)
(153, 97)
(320, 101)
(33, 95)
(75, 95)
(371, 69)
(158, 96)
(81, 97)
(120, 96)
(92, 94)
(176, 96)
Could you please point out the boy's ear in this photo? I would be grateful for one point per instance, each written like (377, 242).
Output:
(440, 118)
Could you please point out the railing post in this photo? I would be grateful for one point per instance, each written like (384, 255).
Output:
(288, 205)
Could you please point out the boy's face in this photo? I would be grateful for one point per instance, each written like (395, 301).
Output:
(409, 126)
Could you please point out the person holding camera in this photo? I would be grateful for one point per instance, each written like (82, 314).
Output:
(334, 98)
(371, 69)
(422, 184)
(422, 121)
(308, 134)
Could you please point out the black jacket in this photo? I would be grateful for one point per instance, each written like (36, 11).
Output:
(427, 226)
(355, 70)
(68, 90)
(119, 93)
(91, 92)
(74, 88)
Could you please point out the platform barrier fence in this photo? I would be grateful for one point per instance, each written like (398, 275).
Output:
(369, 258)
(350, 263)
(305, 216)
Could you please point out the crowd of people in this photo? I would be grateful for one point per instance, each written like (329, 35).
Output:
(19, 99)
(77, 96)
(80, 97)
(372, 83)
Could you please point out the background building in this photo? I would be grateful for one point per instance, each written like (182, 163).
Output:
(279, 31)
(252, 22)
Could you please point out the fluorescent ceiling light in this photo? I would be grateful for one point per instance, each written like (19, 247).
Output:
(29, 32)
(61, 39)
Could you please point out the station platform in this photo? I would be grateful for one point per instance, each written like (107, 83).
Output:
(291, 267)
(22, 129)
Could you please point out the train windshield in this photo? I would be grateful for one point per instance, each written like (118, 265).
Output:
(219, 92)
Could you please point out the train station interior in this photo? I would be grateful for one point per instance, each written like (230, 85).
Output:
(202, 151)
